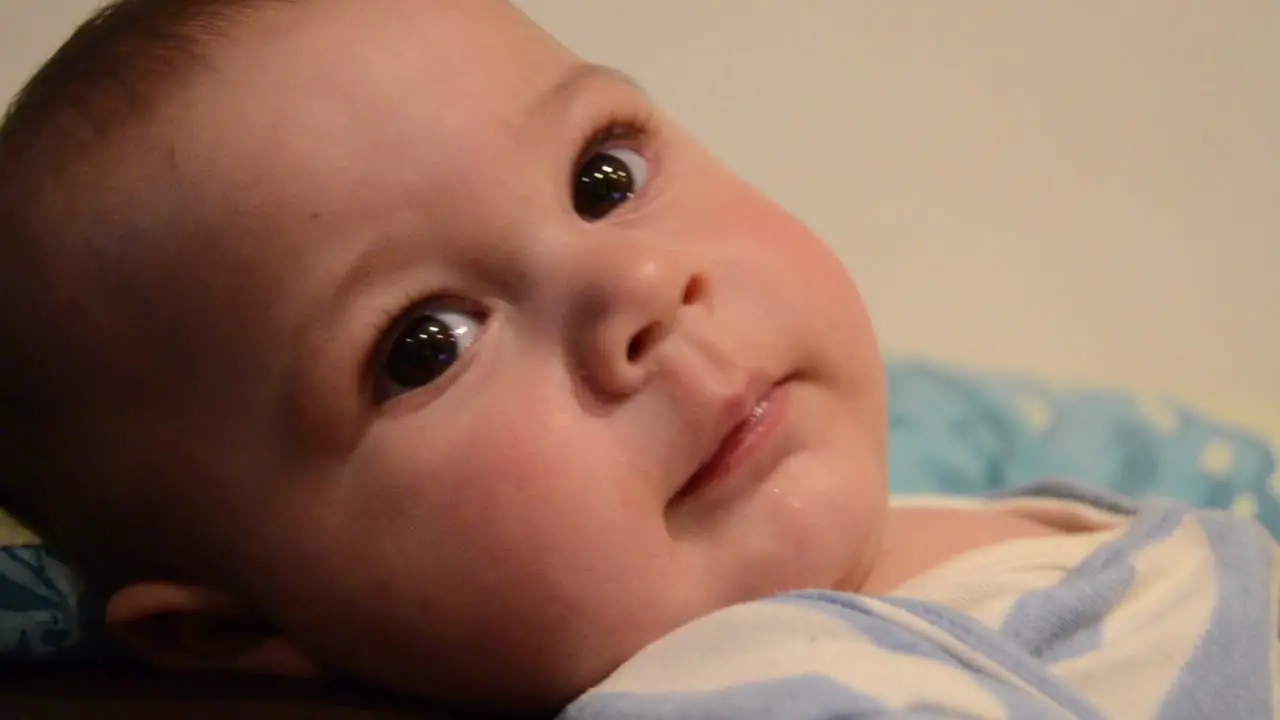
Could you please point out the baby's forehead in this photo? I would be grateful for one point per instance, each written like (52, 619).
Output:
(321, 124)
(314, 80)
(298, 156)
(344, 42)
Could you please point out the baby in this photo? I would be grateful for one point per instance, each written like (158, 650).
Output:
(390, 340)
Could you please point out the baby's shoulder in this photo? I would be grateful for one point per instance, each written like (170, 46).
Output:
(1125, 609)
(1119, 552)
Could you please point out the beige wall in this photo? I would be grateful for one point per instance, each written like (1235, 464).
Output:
(30, 30)
(1088, 189)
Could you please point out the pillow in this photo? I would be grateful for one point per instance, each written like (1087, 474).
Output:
(960, 432)
(951, 431)
(44, 611)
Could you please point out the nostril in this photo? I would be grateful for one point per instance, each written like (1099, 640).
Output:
(694, 291)
(643, 341)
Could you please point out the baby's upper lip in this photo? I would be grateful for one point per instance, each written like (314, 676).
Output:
(724, 414)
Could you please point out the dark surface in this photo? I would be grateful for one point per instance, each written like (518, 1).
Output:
(40, 693)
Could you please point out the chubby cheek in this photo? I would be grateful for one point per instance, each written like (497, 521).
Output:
(514, 540)
(734, 221)
(793, 279)
(510, 497)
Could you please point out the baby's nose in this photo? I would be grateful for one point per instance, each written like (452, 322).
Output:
(631, 307)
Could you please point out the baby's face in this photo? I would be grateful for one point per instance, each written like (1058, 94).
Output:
(514, 377)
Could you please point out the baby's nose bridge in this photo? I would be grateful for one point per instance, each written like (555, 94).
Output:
(645, 282)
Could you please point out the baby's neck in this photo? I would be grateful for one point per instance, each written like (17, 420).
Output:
(918, 539)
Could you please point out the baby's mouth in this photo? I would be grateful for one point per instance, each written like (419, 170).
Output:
(739, 443)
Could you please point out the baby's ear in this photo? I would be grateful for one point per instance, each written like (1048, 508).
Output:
(187, 627)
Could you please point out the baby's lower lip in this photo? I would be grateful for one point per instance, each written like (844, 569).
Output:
(742, 445)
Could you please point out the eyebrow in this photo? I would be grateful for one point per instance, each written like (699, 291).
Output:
(573, 81)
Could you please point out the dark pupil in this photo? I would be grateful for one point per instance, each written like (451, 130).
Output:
(425, 350)
(604, 183)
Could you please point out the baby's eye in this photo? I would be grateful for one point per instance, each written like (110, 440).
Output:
(606, 180)
(426, 347)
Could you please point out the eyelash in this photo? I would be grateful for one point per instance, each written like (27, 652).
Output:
(389, 318)
(393, 314)
(616, 128)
